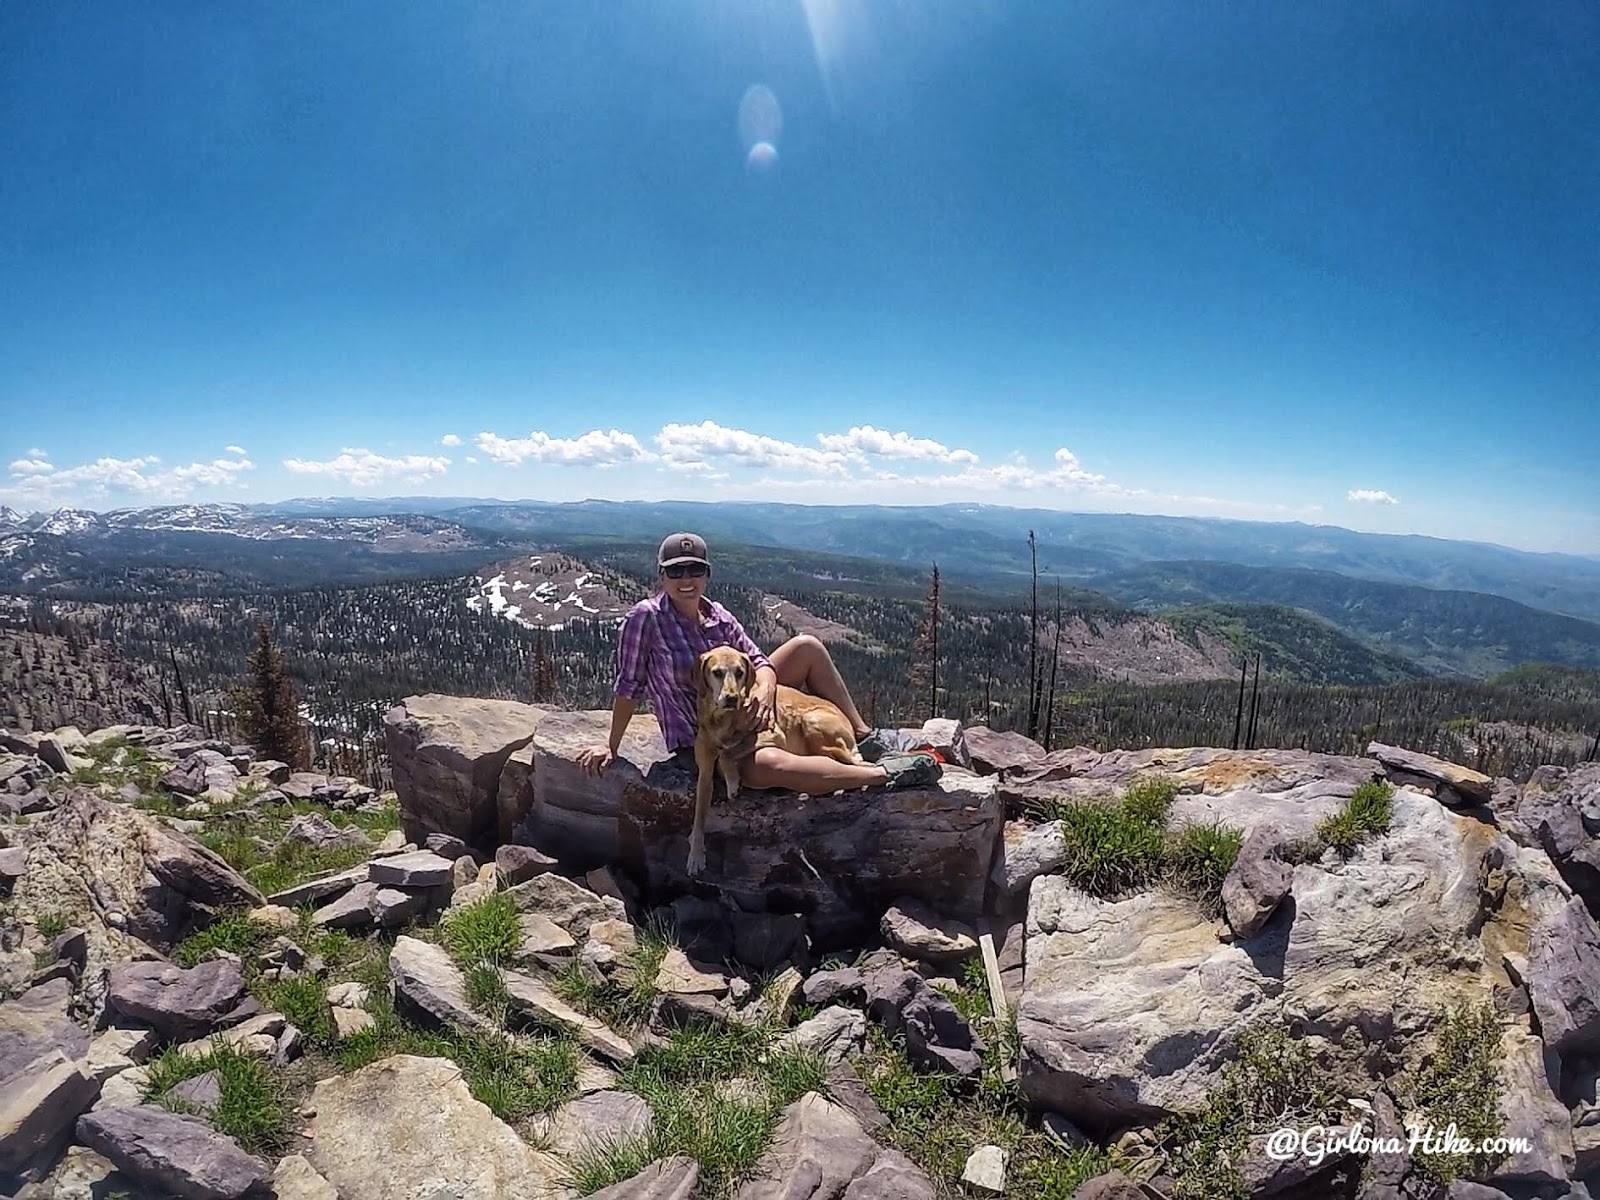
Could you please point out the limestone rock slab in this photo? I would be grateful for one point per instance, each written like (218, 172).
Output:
(407, 1128)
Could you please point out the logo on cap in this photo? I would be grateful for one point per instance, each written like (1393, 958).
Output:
(687, 545)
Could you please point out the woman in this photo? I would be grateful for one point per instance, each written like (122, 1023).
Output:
(661, 639)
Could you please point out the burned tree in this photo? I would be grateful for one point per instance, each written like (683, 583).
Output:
(924, 672)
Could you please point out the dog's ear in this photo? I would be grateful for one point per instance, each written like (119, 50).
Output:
(702, 685)
(749, 671)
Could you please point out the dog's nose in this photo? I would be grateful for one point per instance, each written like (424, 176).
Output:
(730, 702)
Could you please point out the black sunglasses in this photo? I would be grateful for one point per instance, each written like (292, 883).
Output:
(692, 570)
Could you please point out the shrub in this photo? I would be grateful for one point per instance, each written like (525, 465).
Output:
(1274, 1081)
(1459, 1083)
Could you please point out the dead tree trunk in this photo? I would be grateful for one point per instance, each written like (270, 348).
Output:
(1238, 716)
(1033, 643)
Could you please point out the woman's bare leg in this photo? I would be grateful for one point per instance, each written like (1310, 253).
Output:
(804, 662)
(810, 773)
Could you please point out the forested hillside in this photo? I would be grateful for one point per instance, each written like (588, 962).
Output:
(1466, 633)
(1294, 646)
(1118, 678)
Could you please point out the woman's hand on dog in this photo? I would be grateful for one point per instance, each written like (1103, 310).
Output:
(760, 708)
(595, 759)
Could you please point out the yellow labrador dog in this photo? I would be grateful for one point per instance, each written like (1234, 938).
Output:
(724, 739)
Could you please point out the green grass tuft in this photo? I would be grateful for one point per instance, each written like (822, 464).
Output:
(1113, 849)
(627, 1006)
(253, 1107)
(303, 1003)
(601, 1164)
(232, 931)
(1367, 813)
(1199, 858)
(295, 862)
(50, 924)
(516, 1081)
(485, 932)
(486, 990)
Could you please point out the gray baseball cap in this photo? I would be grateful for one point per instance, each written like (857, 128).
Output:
(683, 548)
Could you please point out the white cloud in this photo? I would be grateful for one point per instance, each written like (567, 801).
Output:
(217, 473)
(597, 448)
(1370, 496)
(1016, 475)
(697, 446)
(473, 459)
(36, 480)
(450, 439)
(864, 440)
(363, 468)
(37, 454)
(239, 450)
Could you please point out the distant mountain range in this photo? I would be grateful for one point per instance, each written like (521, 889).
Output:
(1328, 604)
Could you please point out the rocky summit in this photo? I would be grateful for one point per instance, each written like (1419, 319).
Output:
(1051, 975)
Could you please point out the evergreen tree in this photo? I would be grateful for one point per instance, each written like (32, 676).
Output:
(544, 671)
(269, 710)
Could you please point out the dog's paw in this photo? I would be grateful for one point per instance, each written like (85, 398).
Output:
(697, 861)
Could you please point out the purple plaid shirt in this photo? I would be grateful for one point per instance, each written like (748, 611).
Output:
(656, 652)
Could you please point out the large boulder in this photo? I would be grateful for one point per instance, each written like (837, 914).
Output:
(1130, 1007)
(177, 1003)
(594, 1120)
(426, 981)
(1242, 788)
(1257, 883)
(1558, 811)
(127, 879)
(407, 1128)
(180, 1155)
(48, 1072)
(40, 1097)
(838, 858)
(447, 753)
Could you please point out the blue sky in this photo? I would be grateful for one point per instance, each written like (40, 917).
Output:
(1333, 263)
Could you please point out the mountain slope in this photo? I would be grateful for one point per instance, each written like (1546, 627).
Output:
(1293, 645)
(1467, 633)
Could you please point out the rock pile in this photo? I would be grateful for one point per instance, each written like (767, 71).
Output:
(958, 907)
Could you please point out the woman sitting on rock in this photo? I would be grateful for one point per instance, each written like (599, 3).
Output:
(663, 637)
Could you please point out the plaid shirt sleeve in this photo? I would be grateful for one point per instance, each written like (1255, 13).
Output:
(633, 653)
(740, 640)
